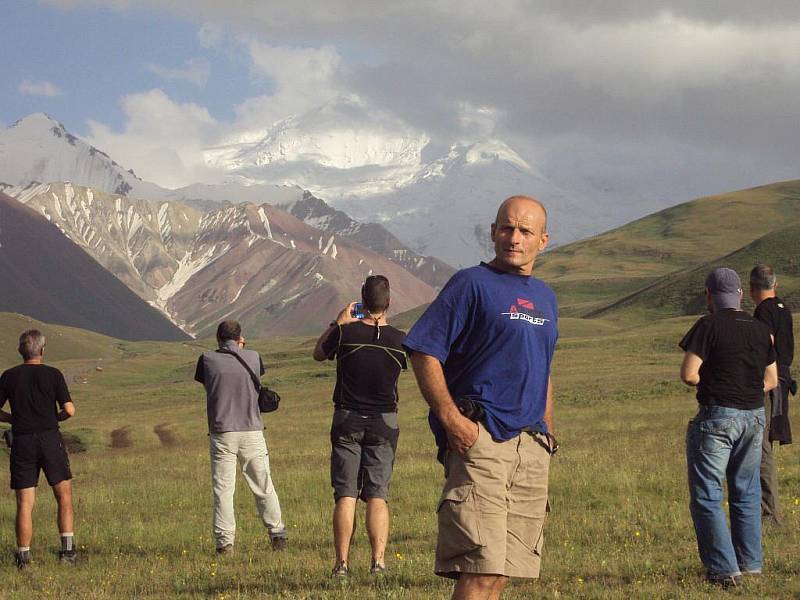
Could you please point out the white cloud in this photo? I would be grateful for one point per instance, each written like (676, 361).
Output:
(301, 78)
(39, 88)
(162, 140)
(196, 71)
(710, 77)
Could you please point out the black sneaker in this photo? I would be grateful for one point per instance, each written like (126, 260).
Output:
(226, 549)
(67, 557)
(377, 568)
(731, 581)
(23, 560)
(278, 543)
(340, 571)
(278, 539)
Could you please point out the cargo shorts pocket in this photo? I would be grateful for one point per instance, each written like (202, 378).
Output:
(537, 546)
(459, 523)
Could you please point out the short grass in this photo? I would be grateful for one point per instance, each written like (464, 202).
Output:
(681, 292)
(620, 526)
(594, 272)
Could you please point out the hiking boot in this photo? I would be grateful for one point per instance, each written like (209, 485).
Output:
(226, 549)
(340, 570)
(731, 581)
(278, 543)
(23, 560)
(377, 568)
(67, 557)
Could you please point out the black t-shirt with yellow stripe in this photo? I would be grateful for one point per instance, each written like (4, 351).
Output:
(369, 361)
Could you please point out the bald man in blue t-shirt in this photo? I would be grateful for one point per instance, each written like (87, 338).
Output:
(482, 354)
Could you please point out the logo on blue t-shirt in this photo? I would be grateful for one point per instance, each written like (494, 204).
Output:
(525, 310)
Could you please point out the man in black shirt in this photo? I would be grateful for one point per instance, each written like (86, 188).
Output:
(39, 399)
(774, 313)
(364, 433)
(730, 358)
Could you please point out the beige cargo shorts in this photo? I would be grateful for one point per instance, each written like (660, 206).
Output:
(492, 510)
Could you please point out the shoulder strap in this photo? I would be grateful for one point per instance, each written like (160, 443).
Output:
(253, 376)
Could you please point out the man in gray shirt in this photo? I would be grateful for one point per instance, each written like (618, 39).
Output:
(236, 432)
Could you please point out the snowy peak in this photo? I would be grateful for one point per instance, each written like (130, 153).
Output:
(39, 149)
(340, 148)
(38, 125)
(488, 151)
(341, 134)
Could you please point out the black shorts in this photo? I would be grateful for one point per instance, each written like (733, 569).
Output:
(31, 452)
(362, 453)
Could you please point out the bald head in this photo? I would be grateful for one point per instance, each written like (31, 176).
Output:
(519, 233)
(514, 202)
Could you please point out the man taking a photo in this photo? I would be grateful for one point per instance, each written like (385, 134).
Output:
(369, 357)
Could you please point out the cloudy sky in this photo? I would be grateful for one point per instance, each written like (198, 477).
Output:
(677, 98)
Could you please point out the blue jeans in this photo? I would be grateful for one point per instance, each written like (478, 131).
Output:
(726, 442)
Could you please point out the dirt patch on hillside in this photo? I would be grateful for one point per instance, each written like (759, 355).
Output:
(121, 438)
(165, 434)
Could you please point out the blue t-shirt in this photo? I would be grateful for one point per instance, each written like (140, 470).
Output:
(495, 334)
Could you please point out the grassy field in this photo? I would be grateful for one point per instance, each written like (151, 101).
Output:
(620, 526)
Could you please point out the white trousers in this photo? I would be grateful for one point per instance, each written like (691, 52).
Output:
(250, 450)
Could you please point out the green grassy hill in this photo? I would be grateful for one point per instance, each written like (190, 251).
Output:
(681, 293)
(590, 274)
(62, 343)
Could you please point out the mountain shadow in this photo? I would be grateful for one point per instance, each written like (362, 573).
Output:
(48, 277)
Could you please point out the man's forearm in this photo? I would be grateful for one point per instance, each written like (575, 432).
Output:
(461, 432)
(548, 408)
(5, 417)
(430, 378)
(318, 352)
(63, 415)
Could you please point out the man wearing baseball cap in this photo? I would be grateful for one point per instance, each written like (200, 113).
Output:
(730, 358)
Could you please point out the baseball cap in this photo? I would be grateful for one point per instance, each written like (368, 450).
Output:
(725, 288)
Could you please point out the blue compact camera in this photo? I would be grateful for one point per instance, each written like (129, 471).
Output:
(358, 311)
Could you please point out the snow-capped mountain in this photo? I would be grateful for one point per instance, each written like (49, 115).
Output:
(38, 149)
(439, 202)
(447, 209)
(317, 213)
(340, 148)
(256, 263)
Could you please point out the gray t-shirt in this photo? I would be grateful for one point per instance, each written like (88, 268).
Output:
(231, 398)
